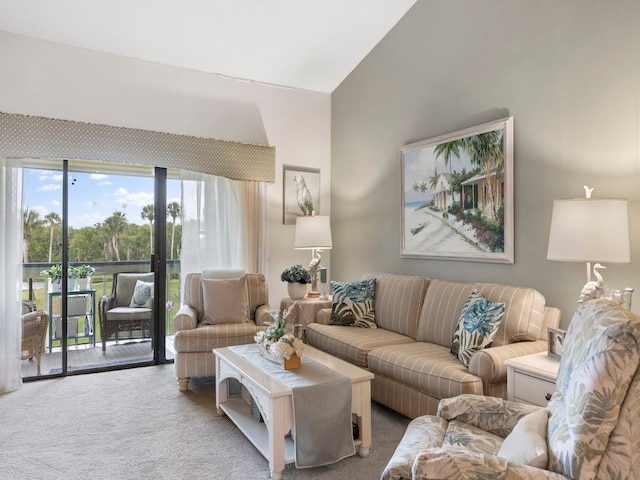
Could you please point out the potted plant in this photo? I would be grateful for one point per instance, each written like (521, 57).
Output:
(297, 278)
(82, 274)
(54, 275)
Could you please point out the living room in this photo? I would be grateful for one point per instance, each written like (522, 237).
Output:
(568, 73)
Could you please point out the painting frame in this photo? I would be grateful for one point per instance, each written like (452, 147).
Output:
(555, 342)
(480, 227)
(310, 183)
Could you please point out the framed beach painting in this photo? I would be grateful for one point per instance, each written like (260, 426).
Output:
(301, 193)
(457, 195)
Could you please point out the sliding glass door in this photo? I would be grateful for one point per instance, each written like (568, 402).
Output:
(111, 234)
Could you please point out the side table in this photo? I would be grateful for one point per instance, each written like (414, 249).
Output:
(306, 309)
(532, 378)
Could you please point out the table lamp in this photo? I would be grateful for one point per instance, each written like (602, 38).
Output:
(590, 230)
(313, 233)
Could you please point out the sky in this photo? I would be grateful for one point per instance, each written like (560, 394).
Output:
(418, 167)
(92, 196)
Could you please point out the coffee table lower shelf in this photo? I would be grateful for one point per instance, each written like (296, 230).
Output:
(239, 412)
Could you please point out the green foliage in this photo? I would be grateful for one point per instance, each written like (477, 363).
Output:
(296, 274)
(81, 271)
(54, 273)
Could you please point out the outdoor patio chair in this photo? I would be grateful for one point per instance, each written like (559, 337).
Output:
(128, 309)
(34, 332)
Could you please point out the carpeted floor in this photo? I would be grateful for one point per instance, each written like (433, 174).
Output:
(135, 424)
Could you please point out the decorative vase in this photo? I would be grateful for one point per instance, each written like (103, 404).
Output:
(297, 290)
(83, 283)
(55, 285)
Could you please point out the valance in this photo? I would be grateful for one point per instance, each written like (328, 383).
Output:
(25, 136)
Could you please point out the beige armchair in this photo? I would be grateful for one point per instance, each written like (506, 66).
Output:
(589, 430)
(219, 309)
(125, 311)
(34, 333)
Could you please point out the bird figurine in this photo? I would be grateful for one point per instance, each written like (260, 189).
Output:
(593, 289)
(303, 196)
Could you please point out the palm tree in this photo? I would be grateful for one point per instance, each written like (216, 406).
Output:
(116, 224)
(148, 214)
(433, 180)
(31, 221)
(486, 151)
(447, 150)
(173, 210)
(51, 220)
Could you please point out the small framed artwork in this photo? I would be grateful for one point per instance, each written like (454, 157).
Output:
(457, 195)
(555, 342)
(301, 193)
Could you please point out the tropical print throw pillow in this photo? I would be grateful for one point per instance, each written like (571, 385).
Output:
(353, 303)
(477, 326)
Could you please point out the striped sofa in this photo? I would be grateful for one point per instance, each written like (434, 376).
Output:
(409, 352)
(194, 341)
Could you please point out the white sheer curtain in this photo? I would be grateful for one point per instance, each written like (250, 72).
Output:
(10, 274)
(223, 224)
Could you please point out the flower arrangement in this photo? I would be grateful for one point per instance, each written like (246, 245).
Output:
(296, 274)
(277, 340)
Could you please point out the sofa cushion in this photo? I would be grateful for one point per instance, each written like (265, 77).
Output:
(225, 301)
(527, 443)
(353, 303)
(523, 316)
(424, 367)
(205, 338)
(478, 324)
(441, 310)
(398, 301)
(351, 344)
(142, 295)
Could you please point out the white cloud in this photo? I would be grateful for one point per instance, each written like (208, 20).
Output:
(50, 187)
(98, 176)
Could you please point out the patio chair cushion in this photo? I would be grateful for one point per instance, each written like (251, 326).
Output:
(128, 314)
(126, 284)
(225, 301)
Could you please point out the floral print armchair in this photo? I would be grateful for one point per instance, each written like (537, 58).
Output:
(593, 426)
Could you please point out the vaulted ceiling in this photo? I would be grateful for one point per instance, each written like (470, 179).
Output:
(308, 44)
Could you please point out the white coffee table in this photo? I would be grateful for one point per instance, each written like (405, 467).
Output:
(275, 400)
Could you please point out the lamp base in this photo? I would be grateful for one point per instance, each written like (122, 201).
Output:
(313, 294)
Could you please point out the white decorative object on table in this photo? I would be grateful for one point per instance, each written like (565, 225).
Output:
(278, 343)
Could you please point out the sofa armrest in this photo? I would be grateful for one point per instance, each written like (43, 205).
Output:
(488, 363)
(186, 318)
(263, 315)
(491, 414)
(324, 316)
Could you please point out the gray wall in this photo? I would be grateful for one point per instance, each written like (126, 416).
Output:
(568, 72)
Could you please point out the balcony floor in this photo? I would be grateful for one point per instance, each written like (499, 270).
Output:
(85, 357)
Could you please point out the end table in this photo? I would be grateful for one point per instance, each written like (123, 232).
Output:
(532, 378)
(306, 309)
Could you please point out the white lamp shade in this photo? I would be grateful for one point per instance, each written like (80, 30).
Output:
(313, 233)
(589, 230)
